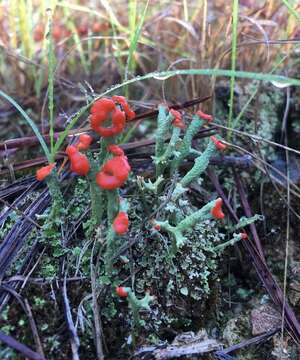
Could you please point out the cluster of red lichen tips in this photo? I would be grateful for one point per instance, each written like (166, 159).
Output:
(121, 223)
(121, 292)
(115, 171)
(216, 211)
(44, 171)
(177, 122)
(79, 162)
(117, 109)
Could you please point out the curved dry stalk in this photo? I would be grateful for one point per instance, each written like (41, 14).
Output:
(74, 339)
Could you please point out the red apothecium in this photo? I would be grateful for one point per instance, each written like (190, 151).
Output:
(216, 211)
(85, 141)
(204, 116)
(79, 162)
(218, 143)
(101, 111)
(113, 173)
(121, 100)
(177, 122)
(44, 171)
(115, 150)
(121, 223)
(121, 291)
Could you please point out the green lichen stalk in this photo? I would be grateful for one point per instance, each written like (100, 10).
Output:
(162, 161)
(110, 247)
(112, 210)
(200, 165)
(97, 198)
(56, 195)
(113, 200)
(236, 238)
(185, 147)
(198, 168)
(136, 305)
(177, 232)
(163, 125)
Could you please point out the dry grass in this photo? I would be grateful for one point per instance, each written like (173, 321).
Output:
(98, 46)
(174, 35)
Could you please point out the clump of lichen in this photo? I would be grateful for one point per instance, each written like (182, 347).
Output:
(169, 254)
(173, 245)
(181, 283)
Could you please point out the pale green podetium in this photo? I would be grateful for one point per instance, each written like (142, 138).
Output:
(177, 232)
(136, 305)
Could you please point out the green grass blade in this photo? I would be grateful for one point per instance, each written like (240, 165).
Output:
(291, 9)
(235, 17)
(168, 74)
(132, 18)
(136, 32)
(240, 115)
(113, 19)
(30, 123)
(24, 17)
(51, 70)
(78, 43)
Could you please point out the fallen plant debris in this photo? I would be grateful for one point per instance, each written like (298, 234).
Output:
(136, 223)
(104, 186)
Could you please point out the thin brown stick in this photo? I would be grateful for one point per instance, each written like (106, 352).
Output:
(177, 351)
(20, 212)
(27, 164)
(34, 329)
(42, 281)
(288, 215)
(33, 140)
(21, 348)
(248, 213)
(255, 340)
(74, 339)
(96, 311)
(27, 309)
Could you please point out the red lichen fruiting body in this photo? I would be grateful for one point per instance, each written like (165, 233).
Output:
(204, 116)
(71, 150)
(104, 104)
(107, 181)
(176, 114)
(115, 150)
(121, 100)
(83, 29)
(100, 112)
(216, 211)
(58, 32)
(118, 119)
(244, 235)
(113, 173)
(120, 290)
(218, 143)
(177, 122)
(44, 171)
(118, 166)
(85, 141)
(80, 164)
(121, 223)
